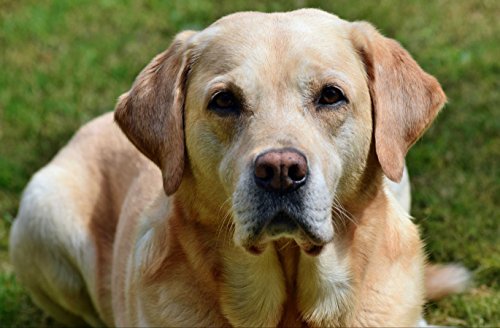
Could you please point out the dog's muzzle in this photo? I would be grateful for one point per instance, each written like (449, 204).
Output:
(282, 198)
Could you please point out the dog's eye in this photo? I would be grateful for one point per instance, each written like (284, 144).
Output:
(331, 95)
(224, 103)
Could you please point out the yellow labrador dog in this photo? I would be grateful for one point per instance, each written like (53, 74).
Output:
(273, 135)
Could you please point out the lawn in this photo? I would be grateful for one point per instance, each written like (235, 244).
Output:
(65, 62)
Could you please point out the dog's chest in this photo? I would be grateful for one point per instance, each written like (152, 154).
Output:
(288, 255)
(283, 287)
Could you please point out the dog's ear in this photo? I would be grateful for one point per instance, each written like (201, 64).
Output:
(405, 99)
(151, 112)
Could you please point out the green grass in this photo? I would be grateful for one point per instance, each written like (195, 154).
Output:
(64, 62)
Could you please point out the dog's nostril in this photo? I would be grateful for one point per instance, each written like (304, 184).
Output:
(264, 172)
(297, 172)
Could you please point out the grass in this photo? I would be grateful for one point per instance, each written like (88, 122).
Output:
(64, 62)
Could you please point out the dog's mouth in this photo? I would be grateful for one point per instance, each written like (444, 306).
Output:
(281, 224)
(302, 216)
(286, 226)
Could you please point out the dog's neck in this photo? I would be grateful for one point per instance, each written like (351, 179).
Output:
(283, 285)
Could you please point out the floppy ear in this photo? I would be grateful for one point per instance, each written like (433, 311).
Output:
(151, 112)
(405, 99)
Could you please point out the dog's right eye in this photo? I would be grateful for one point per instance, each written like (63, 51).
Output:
(224, 103)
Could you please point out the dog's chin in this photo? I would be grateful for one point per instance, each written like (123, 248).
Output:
(283, 227)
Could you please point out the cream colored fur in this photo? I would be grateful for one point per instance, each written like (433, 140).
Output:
(109, 236)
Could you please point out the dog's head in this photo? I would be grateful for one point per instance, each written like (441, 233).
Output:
(279, 117)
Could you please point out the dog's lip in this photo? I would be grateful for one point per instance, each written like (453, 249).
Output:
(287, 224)
(255, 249)
(306, 246)
(311, 249)
(283, 225)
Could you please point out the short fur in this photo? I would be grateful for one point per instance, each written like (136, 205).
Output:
(104, 237)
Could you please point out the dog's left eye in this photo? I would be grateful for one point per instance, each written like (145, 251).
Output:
(331, 95)
(224, 103)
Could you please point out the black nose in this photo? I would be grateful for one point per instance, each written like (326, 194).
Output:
(281, 170)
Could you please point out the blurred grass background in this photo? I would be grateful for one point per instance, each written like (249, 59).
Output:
(65, 62)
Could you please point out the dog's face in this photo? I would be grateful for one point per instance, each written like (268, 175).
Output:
(278, 118)
(279, 121)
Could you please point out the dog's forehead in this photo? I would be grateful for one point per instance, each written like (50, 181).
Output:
(304, 19)
(260, 39)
